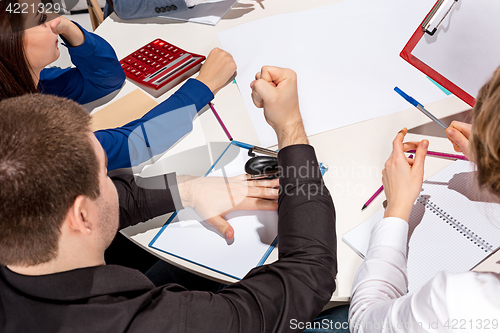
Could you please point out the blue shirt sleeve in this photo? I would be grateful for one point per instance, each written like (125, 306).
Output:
(157, 130)
(97, 73)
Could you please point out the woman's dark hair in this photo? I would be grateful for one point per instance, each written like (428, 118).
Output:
(15, 72)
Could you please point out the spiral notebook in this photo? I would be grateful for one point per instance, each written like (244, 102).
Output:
(453, 226)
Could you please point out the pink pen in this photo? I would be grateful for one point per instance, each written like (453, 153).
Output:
(220, 122)
(445, 155)
(381, 188)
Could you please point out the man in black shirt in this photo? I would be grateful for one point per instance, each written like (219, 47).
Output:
(59, 211)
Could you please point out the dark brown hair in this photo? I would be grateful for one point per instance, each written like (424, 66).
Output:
(46, 161)
(15, 71)
(485, 136)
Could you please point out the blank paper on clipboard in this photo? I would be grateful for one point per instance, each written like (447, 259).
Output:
(464, 51)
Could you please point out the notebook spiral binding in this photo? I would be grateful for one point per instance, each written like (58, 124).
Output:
(466, 232)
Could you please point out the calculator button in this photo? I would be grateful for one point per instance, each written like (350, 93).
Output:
(142, 50)
(155, 57)
(161, 43)
(164, 62)
(140, 67)
(165, 46)
(129, 61)
(160, 59)
(153, 63)
(136, 64)
(148, 46)
(175, 50)
(158, 65)
(157, 41)
(133, 70)
(171, 58)
(148, 62)
(138, 73)
(162, 53)
(129, 68)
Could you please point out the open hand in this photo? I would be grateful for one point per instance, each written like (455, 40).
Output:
(214, 197)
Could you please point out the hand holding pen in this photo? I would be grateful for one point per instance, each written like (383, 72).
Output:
(458, 133)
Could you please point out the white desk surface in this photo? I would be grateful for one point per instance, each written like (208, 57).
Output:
(355, 154)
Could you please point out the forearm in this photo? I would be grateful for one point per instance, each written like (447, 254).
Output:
(292, 134)
(382, 276)
(164, 126)
(141, 199)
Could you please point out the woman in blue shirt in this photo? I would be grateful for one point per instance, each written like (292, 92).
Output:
(28, 43)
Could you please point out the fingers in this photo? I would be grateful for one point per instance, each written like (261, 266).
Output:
(257, 100)
(263, 192)
(412, 145)
(54, 25)
(397, 144)
(276, 74)
(268, 183)
(464, 128)
(222, 226)
(261, 91)
(420, 155)
(257, 204)
(458, 139)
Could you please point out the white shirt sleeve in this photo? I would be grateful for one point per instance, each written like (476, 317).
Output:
(379, 299)
(191, 3)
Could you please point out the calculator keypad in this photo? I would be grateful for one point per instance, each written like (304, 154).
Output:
(157, 63)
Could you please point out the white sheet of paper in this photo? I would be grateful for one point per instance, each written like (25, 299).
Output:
(435, 245)
(346, 56)
(191, 238)
(466, 46)
(210, 12)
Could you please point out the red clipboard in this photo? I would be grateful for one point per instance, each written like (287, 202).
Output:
(407, 55)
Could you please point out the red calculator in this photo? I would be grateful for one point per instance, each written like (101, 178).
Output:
(159, 66)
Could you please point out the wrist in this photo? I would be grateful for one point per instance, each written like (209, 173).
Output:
(401, 211)
(73, 35)
(292, 133)
(184, 183)
(207, 83)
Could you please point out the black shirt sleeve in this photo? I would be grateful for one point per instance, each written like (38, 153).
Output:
(141, 199)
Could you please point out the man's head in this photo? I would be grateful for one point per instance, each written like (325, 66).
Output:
(54, 191)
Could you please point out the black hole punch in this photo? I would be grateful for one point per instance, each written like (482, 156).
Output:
(262, 166)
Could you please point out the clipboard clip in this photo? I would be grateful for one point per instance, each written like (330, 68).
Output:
(437, 16)
(260, 150)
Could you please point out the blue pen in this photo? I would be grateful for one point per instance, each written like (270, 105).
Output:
(419, 106)
(256, 149)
